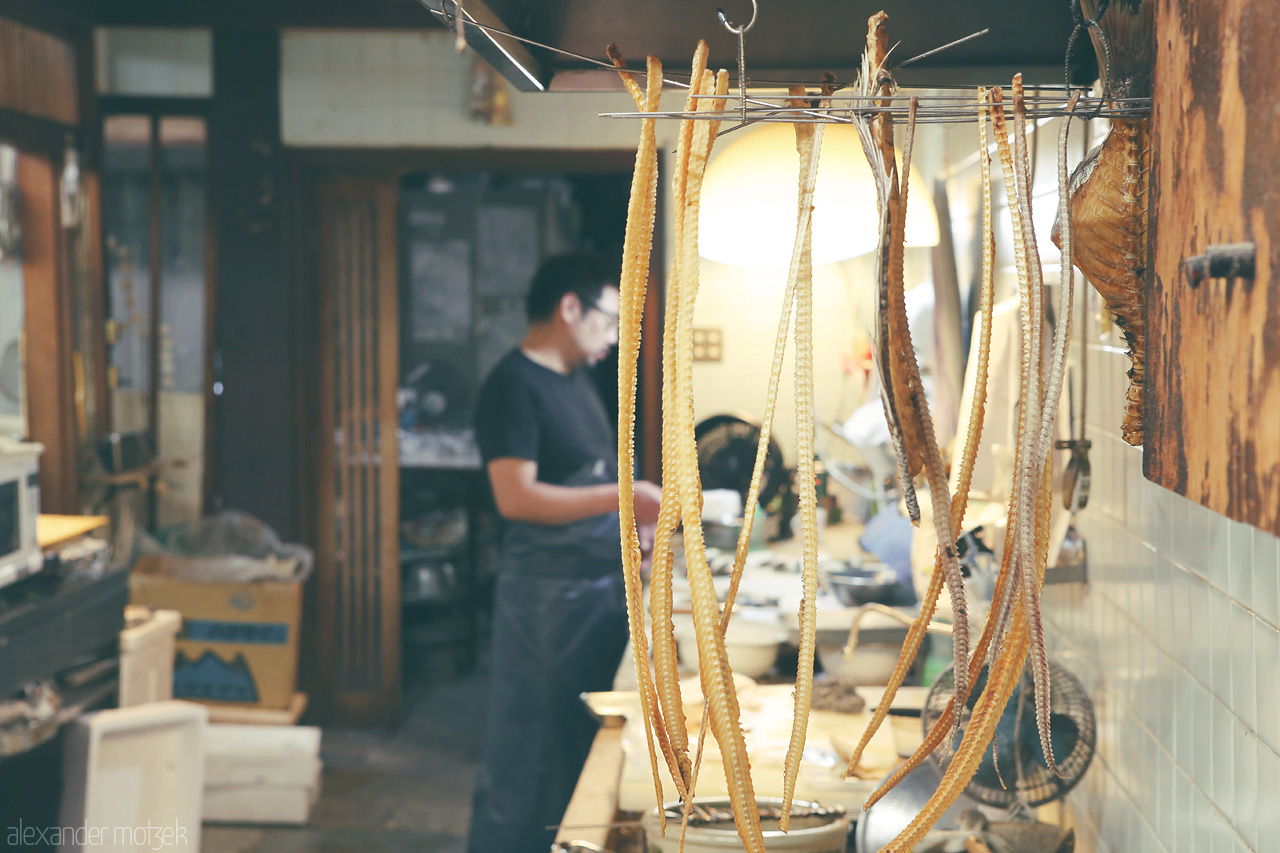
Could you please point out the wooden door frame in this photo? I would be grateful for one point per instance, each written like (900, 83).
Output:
(381, 704)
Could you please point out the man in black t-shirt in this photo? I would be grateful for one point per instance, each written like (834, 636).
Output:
(560, 621)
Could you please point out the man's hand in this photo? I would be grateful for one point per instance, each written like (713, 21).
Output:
(648, 496)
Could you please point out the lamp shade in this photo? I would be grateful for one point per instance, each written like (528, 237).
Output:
(750, 191)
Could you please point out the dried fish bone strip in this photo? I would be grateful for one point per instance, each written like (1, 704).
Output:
(718, 104)
(800, 280)
(905, 392)
(713, 665)
(1002, 602)
(1038, 406)
(1044, 440)
(665, 660)
(876, 136)
(1003, 677)
(959, 501)
(637, 245)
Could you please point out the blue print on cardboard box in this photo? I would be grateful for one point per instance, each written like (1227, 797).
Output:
(210, 677)
(222, 631)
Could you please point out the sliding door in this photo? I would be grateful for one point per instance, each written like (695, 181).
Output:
(358, 465)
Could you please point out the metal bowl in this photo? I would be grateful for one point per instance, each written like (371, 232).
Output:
(855, 586)
(825, 832)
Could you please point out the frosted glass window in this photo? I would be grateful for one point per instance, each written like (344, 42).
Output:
(160, 62)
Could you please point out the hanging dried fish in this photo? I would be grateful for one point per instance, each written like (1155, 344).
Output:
(1002, 678)
(959, 502)
(876, 135)
(901, 387)
(633, 280)
(665, 660)
(1044, 440)
(808, 142)
(1008, 638)
(800, 280)
(1109, 189)
(713, 665)
(1002, 601)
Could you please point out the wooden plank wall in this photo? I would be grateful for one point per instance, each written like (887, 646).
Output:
(1213, 381)
(37, 74)
(51, 416)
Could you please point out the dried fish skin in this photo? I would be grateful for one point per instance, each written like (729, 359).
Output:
(1110, 199)
(1109, 212)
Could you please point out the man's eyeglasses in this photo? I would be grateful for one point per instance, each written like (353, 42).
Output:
(610, 316)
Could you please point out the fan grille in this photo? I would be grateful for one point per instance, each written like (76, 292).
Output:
(726, 456)
(1015, 770)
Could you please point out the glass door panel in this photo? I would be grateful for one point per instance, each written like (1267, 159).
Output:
(182, 338)
(127, 222)
(155, 210)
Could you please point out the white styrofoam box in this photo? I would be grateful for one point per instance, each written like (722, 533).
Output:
(285, 756)
(259, 804)
(146, 657)
(133, 777)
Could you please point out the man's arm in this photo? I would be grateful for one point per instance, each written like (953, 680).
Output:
(520, 496)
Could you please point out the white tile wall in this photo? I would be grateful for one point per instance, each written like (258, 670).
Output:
(389, 89)
(1177, 638)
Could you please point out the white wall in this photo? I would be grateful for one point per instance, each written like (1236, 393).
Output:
(397, 88)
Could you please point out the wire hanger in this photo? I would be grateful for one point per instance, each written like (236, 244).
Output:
(741, 33)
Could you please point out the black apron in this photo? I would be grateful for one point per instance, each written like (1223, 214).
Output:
(556, 635)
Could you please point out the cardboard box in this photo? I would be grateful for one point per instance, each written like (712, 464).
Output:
(239, 640)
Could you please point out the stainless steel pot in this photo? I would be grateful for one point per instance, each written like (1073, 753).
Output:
(855, 586)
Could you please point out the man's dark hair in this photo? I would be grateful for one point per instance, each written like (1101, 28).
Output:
(583, 273)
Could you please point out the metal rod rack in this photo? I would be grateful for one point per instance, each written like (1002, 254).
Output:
(837, 108)
(931, 109)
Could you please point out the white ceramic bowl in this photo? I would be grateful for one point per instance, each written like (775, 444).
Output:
(871, 663)
(752, 645)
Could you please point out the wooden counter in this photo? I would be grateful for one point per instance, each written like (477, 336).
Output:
(593, 814)
(594, 806)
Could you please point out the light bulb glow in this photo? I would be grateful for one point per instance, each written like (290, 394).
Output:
(749, 200)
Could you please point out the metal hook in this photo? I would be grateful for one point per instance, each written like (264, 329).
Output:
(742, 54)
(736, 30)
(1091, 26)
(460, 18)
